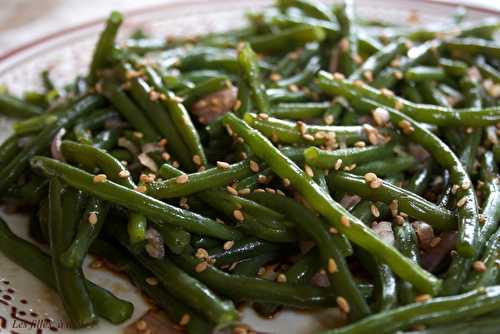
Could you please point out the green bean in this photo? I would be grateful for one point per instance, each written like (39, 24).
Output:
(482, 325)
(210, 178)
(453, 67)
(299, 111)
(184, 287)
(408, 202)
(330, 248)
(291, 20)
(389, 166)
(287, 40)
(34, 124)
(438, 311)
(290, 133)
(129, 110)
(489, 258)
(94, 121)
(86, 232)
(241, 250)
(406, 241)
(15, 107)
(312, 8)
(198, 241)
(420, 112)
(372, 66)
(104, 46)
(356, 155)
(11, 171)
(305, 76)
(424, 73)
(176, 239)
(486, 69)
(491, 202)
(204, 88)
(473, 46)
(432, 95)
(249, 70)
(349, 56)
(332, 211)
(9, 149)
(38, 263)
(146, 205)
(280, 95)
(70, 282)
(145, 45)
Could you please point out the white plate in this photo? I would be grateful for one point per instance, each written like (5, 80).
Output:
(24, 299)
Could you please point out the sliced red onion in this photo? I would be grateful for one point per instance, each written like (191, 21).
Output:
(432, 259)
(418, 152)
(349, 201)
(425, 234)
(157, 322)
(115, 123)
(215, 105)
(55, 146)
(320, 279)
(306, 245)
(146, 161)
(334, 61)
(384, 231)
(155, 247)
(127, 144)
(151, 147)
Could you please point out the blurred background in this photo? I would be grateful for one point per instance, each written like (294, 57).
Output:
(22, 21)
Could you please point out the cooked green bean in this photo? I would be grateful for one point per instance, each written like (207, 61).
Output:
(250, 72)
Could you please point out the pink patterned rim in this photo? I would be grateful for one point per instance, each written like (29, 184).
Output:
(154, 8)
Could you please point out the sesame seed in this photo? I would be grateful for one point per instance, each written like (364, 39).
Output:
(263, 116)
(399, 220)
(223, 165)
(261, 271)
(343, 304)
(141, 325)
(141, 189)
(302, 127)
(332, 266)
(309, 171)
(232, 190)
(201, 253)
(163, 142)
(197, 159)
(435, 241)
(479, 266)
(237, 105)
(152, 281)
(345, 221)
(461, 201)
(338, 76)
(228, 245)
(147, 178)
(138, 135)
(165, 156)
(380, 116)
(360, 144)
(376, 184)
(258, 190)
(123, 174)
(270, 190)
(328, 119)
(308, 137)
(293, 88)
(357, 59)
(279, 192)
(368, 76)
(286, 182)
(92, 218)
(184, 319)
(275, 77)
(370, 177)
(262, 178)
(386, 92)
(238, 214)
(333, 230)
(100, 178)
(375, 210)
(154, 95)
(244, 191)
(183, 203)
(181, 179)
(423, 298)
(398, 75)
(338, 164)
(393, 206)
(466, 185)
(281, 278)
(254, 166)
(202, 266)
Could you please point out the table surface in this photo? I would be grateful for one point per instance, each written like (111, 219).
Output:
(22, 21)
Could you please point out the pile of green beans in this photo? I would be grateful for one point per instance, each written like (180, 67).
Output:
(310, 160)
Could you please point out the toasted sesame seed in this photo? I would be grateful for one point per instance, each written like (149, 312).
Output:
(386, 92)
(152, 281)
(461, 201)
(183, 203)
(92, 219)
(338, 164)
(398, 75)
(100, 178)
(165, 156)
(201, 253)
(202, 266)
(293, 88)
(223, 165)
(262, 178)
(228, 245)
(154, 95)
(197, 159)
(337, 75)
(345, 221)
(275, 76)
(258, 190)
(147, 178)
(181, 179)
(328, 119)
(141, 189)
(360, 144)
(254, 166)
(381, 116)
(286, 182)
(270, 190)
(370, 177)
(184, 319)
(261, 271)
(308, 137)
(232, 190)
(332, 266)
(138, 135)
(238, 215)
(244, 191)
(423, 298)
(357, 59)
(435, 241)
(376, 184)
(343, 304)
(279, 192)
(309, 171)
(375, 210)
(466, 185)
(281, 278)
(141, 325)
(399, 220)
(123, 174)
(393, 206)
(479, 266)
(237, 105)
(163, 142)
(368, 75)
(263, 116)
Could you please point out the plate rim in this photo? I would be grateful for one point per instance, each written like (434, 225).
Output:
(174, 3)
